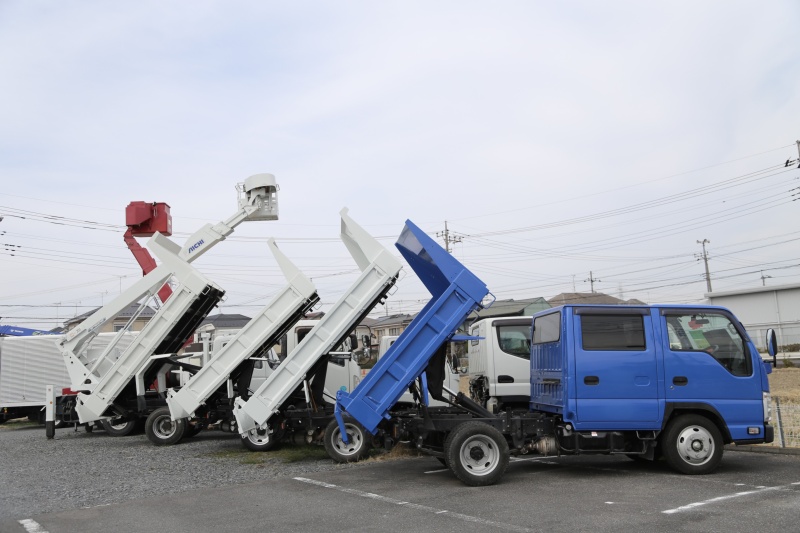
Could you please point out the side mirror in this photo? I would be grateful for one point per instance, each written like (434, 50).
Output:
(772, 346)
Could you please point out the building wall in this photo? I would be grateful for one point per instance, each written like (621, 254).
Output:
(767, 307)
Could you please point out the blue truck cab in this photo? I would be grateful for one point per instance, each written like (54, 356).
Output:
(671, 380)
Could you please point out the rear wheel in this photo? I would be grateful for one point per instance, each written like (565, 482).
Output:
(692, 444)
(477, 453)
(119, 427)
(356, 447)
(161, 430)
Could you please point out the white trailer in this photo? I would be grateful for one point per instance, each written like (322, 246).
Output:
(29, 364)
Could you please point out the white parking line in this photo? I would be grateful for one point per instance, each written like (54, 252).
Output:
(32, 526)
(721, 498)
(418, 507)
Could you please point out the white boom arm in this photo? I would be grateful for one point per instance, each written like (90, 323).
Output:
(379, 272)
(280, 313)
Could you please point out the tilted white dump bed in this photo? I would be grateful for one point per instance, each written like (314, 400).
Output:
(285, 309)
(379, 272)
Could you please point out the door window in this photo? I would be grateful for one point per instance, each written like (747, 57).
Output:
(712, 333)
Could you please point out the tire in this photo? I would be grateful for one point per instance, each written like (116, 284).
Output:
(692, 444)
(355, 449)
(477, 453)
(261, 440)
(88, 427)
(161, 430)
(191, 430)
(119, 427)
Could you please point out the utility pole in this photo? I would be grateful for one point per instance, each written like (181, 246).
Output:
(763, 278)
(447, 238)
(591, 280)
(705, 260)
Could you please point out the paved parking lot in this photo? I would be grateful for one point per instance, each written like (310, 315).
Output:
(749, 492)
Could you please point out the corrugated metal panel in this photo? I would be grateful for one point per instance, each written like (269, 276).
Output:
(29, 364)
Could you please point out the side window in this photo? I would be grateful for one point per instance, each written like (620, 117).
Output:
(547, 328)
(515, 340)
(713, 333)
(611, 332)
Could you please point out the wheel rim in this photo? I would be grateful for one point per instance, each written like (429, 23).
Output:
(695, 445)
(355, 440)
(164, 427)
(479, 455)
(119, 426)
(258, 436)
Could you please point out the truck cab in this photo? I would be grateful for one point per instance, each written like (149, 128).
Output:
(687, 378)
(499, 362)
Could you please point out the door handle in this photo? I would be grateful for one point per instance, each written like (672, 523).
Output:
(502, 378)
(680, 381)
(591, 380)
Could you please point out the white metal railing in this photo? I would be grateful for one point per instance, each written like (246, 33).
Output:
(786, 420)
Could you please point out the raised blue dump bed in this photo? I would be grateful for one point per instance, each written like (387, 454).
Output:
(456, 293)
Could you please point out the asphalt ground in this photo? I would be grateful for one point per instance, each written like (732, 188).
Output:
(749, 492)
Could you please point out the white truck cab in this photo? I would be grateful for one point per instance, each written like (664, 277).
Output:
(499, 363)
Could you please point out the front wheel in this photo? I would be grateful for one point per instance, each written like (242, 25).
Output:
(161, 430)
(261, 440)
(692, 444)
(356, 447)
(477, 453)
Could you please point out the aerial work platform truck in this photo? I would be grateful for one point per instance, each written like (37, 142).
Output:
(116, 387)
(291, 399)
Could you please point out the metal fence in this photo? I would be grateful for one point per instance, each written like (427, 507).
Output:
(786, 419)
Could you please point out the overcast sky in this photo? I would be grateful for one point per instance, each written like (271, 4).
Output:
(555, 138)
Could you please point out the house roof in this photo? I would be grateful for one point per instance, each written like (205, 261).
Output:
(392, 320)
(128, 312)
(223, 320)
(511, 307)
(590, 298)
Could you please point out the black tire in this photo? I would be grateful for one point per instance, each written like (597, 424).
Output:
(261, 440)
(119, 427)
(161, 430)
(88, 427)
(191, 430)
(692, 444)
(477, 453)
(357, 447)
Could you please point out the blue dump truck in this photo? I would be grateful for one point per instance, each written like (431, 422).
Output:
(648, 381)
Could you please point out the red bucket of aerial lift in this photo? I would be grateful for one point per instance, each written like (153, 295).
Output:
(146, 218)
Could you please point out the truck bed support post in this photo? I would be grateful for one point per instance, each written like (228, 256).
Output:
(49, 412)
